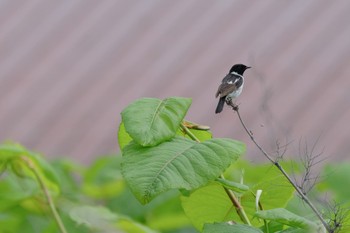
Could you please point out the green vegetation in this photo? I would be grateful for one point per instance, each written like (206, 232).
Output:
(172, 176)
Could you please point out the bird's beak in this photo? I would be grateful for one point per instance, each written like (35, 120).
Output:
(248, 67)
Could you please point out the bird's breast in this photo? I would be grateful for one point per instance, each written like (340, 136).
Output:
(236, 93)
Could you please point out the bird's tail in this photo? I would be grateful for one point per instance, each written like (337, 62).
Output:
(220, 105)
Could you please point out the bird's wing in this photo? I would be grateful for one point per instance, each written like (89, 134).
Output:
(225, 80)
(230, 83)
(225, 89)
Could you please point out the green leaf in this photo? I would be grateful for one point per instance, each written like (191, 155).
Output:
(234, 186)
(67, 172)
(15, 190)
(276, 190)
(202, 135)
(295, 230)
(201, 132)
(337, 179)
(102, 219)
(92, 216)
(286, 217)
(150, 121)
(211, 203)
(103, 178)
(16, 156)
(177, 164)
(164, 213)
(123, 137)
(226, 228)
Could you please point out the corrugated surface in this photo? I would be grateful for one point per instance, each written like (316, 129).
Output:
(68, 68)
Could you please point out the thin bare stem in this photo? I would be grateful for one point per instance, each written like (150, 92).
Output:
(40, 180)
(239, 208)
(276, 163)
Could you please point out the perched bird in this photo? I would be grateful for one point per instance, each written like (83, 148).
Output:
(231, 86)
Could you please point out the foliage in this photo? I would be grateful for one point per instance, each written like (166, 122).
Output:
(172, 176)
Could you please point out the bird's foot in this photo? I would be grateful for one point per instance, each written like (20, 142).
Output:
(229, 102)
(235, 107)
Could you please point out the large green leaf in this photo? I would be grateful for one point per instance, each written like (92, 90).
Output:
(285, 217)
(179, 163)
(226, 228)
(211, 203)
(150, 121)
(208, 205)
(337, 179)
(276, 190)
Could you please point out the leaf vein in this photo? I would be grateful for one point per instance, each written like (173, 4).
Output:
(157, 111)
(165, 165)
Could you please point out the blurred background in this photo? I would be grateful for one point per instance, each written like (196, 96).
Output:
(68, 68)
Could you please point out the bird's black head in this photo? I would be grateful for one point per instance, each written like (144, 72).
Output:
(239, 68)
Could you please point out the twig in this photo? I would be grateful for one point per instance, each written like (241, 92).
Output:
(338, 216)
(239, 209)
(276, 163)
(40, 180)
(309, 160)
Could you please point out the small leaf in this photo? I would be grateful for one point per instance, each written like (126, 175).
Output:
(123, 137)
(192, 125)
(286, 217)
(150, 121)
(226, 228)
(201, 135)
(234, 186)
(177, 164)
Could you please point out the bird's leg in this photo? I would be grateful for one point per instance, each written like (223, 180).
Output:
(229, 102)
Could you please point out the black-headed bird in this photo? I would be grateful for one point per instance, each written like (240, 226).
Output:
(231, 86)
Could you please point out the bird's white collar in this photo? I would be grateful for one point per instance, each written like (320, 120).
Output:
(235, 73)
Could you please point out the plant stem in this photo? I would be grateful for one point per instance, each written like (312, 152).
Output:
(189, 133)
(276, 163)
(240, 210)
(55, 214)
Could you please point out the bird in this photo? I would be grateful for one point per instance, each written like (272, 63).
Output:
(231, 86)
